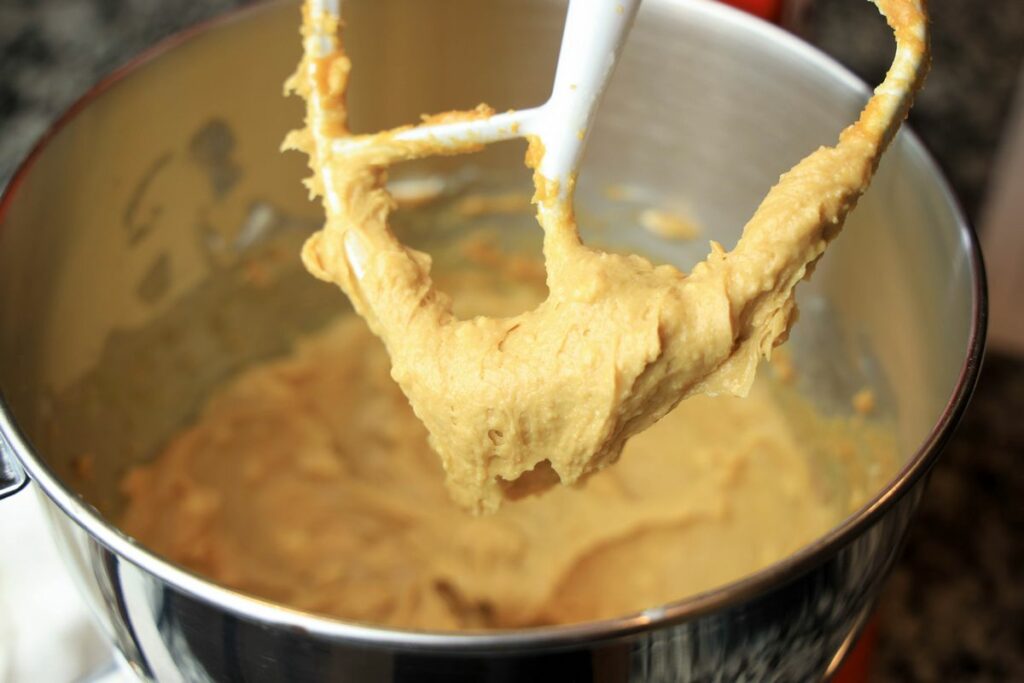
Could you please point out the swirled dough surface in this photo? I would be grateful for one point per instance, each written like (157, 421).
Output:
(554, 393)
(309, 481)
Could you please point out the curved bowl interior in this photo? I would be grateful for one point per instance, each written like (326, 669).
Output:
(124, 243)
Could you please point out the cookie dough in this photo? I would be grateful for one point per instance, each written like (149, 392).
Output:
(309, 481)
(554, 394)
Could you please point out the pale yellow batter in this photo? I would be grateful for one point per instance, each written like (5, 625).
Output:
(308, 481)
(553, 394)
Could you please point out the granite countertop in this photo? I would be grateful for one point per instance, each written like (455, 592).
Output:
(954, 609)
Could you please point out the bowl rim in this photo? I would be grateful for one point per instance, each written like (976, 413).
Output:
(722, 597)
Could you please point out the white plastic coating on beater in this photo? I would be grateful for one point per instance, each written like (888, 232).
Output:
(504, 126)
(591, 42)
(355, 252)
(322, 44)
(595, 31)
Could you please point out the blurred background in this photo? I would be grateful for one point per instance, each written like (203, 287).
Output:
(954, 609)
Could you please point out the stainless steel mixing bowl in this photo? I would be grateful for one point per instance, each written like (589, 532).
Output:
(147, 253)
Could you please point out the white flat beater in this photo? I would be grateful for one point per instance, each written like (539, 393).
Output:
(592, 41)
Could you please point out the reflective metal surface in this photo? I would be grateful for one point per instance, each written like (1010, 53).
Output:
(147, 254)
(788, 633)
(12, 476)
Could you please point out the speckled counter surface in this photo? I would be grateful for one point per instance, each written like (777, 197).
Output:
(954, 610)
